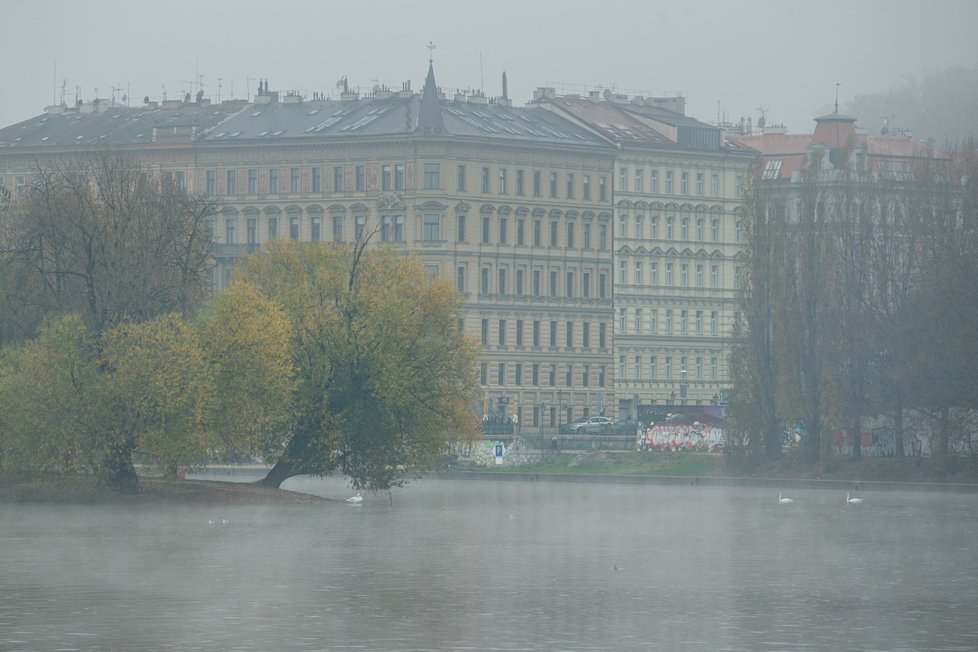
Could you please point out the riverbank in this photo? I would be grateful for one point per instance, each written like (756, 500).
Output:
(83, 489)
(711, 469)
(702, 469)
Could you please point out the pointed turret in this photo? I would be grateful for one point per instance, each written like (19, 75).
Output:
(429, 118)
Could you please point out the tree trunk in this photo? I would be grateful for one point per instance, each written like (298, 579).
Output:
(282, 471)
(117, 470)
(898, 429)
(943, 436)
(289, 464)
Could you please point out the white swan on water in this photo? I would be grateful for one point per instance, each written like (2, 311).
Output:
(852, 501)
(355, 499)
(784, 501)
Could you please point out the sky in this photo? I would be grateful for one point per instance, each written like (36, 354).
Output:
(729, 59)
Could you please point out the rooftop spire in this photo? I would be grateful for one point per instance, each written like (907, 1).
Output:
(429, 118)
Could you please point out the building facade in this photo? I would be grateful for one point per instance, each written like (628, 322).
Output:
(595, 239)
(513, 204)
(677, 239)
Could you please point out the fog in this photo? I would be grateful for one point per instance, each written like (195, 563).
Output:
(785, 57)
(504, 565)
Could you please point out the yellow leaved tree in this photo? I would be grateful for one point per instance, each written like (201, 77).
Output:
(384, 376)
(246, 339)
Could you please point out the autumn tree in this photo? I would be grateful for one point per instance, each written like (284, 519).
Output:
(73, 401)
(384, 374)
(247, 341)
(860, 300)
(106, 238)
(754, 360)
(46, 411)
(156, 394)
(944, 353)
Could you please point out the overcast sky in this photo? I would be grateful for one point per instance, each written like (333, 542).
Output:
(784, 56)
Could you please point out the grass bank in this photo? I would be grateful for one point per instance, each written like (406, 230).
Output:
(622, 463)
(627, 465)
(707, 465)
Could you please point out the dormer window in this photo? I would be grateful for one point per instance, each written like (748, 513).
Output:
(772, 169)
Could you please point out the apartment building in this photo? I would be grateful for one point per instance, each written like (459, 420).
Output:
(513, 204)
(677, 239)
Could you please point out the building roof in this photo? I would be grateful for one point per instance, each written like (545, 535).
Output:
(103, 124)
(293, 118)
(886, 156)
(611, 121)
(637, 123)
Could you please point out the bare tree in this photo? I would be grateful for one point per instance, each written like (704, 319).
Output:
(106, 238)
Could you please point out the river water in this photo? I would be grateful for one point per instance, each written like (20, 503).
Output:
(498, 565)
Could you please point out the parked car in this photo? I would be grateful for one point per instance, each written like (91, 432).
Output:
(626, 427)
(593, 425)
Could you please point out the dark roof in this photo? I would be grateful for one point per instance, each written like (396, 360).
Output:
(292, 119)
(397, 116)
(104, 124)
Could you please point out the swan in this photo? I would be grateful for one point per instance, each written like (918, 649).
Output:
(784, 501)
(852, 501)
(355, 499)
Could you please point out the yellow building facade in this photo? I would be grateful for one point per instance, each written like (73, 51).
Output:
(594, 240)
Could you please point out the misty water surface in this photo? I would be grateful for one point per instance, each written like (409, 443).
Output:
(483, 565)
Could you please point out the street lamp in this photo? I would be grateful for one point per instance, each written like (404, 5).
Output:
(560, 408)
(682, 385)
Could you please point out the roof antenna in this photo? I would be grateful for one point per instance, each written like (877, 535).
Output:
(836, 98)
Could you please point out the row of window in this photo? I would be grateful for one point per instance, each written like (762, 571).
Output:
(646, 322)
(272, 226)
(544, 374)
(687, 227)
(392, 178)
(531, 334)
(533, 233)
(539, 282)
(262, 180)
(535, 184)
(519, 231)
(672, 274)
(392, 229)
(639, 369)
(669, 187)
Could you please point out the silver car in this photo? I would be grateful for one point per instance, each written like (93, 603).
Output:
(593, 424)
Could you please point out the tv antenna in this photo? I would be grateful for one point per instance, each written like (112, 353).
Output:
(761, 120)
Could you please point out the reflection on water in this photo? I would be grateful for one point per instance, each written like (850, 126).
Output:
(483, 565)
